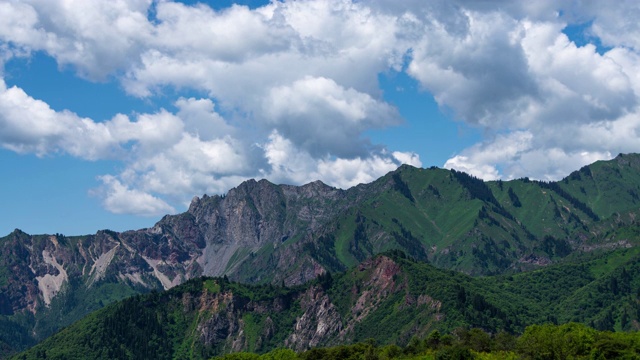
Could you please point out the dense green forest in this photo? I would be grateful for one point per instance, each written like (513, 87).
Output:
(568, 341)
(391, 298)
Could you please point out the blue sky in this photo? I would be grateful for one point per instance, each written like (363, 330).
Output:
(113, 114)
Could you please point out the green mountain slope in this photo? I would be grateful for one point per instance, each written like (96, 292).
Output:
(389, 298)
(607, 187)
(458, 222)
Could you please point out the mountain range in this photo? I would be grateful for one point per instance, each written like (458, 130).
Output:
(485, 237)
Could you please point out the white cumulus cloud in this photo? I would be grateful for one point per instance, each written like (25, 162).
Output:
(323, 118)
(547, 105)
(289, 164)
(289, 90)
(120, 199)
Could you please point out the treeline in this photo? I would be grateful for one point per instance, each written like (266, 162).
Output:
(160, 325)
(402, 187)
(478, 189)
(568, 341)
(575, 202)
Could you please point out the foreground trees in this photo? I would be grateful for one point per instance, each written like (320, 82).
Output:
(539, 342)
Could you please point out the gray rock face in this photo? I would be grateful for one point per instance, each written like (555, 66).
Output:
(218, 235)
(255, 215)
(319, 322)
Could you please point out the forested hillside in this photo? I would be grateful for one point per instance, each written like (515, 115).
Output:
(568, 341)
(390, 298)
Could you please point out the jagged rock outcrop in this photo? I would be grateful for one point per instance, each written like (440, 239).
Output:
(319, 323)
(212, 238)
(253, 215)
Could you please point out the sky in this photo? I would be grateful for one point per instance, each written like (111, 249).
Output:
(114, 113)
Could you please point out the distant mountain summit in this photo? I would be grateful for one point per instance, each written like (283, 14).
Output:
(263, 233)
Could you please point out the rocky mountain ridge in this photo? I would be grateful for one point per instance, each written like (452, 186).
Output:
(213, 235)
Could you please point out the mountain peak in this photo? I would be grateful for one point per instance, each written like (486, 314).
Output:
(318, 184)
(632, 160)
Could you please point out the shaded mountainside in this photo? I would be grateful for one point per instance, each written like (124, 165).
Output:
(263, 233)
(389, 298)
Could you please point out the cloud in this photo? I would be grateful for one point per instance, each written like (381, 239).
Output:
(119, 199)
(514, 157)
(324, 118)
(164, 154)
(200, 118)
(480, 73)
(409, 158)
(578, 83)
(614, 26)
(97, 38)
(31, 126)
(189, 164)
(168, 157)
(233, 35)
(276, 45)
(351, 172)
(289, 90)
(290, 164)
(547, 105)
(305, 70)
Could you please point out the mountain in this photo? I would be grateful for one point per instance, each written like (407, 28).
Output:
(390, 298)
(262, 233)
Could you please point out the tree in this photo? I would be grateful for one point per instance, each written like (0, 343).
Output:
(433, 340)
